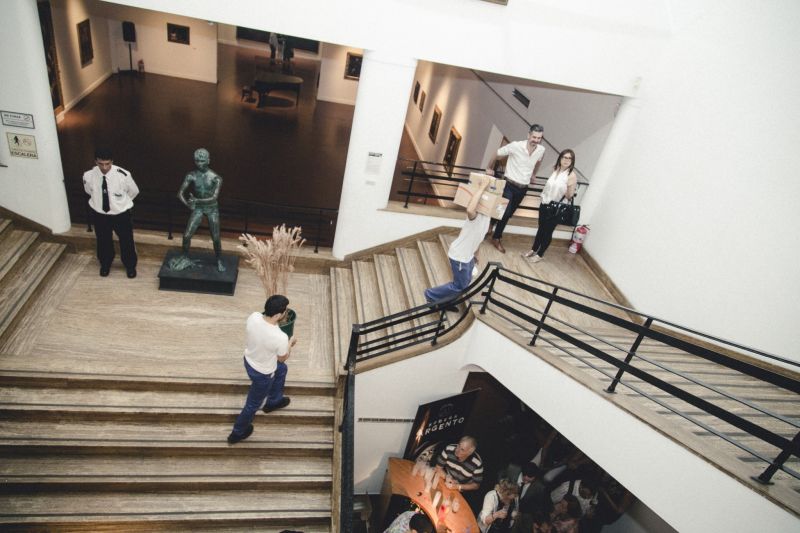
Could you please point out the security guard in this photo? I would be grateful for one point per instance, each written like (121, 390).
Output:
(112, 190)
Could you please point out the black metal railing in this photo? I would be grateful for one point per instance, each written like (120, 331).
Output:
(621, 338)
(162, 211)
(439, 175)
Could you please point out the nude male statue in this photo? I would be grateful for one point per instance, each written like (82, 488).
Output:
(203, 201)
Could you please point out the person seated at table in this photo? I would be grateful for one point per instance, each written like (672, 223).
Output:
(410, 522)
(461, 464)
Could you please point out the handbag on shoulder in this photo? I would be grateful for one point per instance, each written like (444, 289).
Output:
(565, 213)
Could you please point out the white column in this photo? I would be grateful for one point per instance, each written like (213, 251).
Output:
(616, 144)
(381, 104)
(33, 188)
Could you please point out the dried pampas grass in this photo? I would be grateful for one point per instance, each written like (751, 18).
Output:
(273, 259)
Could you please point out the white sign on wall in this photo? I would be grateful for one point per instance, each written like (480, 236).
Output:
(20, 145)
(20, 120)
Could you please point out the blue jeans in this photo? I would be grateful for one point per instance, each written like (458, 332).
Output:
(263, 387)
(462, 275)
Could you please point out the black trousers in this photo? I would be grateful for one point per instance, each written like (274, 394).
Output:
(544, 235)
(122, 225)
(515, 196)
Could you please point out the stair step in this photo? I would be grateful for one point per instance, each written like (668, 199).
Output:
(132, 472)
(367, 292)
(16, 290)
(437, 266)
(22, 403)
(343, 312)
(412, 271)
(392, 291)
(4, 225)
(162, 438)
(98, 509)
(13, 246)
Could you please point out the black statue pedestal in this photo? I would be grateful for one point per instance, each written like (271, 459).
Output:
(204, 278)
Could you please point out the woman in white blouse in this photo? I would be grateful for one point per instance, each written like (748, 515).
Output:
(499, 507)
(560, 186)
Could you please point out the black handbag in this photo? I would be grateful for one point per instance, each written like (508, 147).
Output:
(567, 214)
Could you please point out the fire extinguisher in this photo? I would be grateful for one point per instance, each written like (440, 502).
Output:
(141, 66)
(578, 236)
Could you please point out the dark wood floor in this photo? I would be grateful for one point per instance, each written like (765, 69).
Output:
(280, 154)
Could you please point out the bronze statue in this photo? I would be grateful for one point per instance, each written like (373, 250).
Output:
(203, 201)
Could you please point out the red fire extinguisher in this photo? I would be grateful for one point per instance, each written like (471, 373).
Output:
(141, 66)
(578, 236)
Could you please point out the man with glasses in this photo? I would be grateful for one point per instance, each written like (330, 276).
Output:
(524, 158)
(265, 354)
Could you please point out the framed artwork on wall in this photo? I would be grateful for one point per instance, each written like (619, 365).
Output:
(352, 67)
(177, 33)
(451, 151)
(422, 101)
(85, 42)
(416, 92)
(435, 120)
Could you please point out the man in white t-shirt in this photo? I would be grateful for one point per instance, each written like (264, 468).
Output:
(265, 357)
(524, 158)
(463, 251)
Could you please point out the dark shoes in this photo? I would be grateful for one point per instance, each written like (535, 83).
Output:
(283, 403)
(233, 438)
(499, 245)
(131, 273)
(104, 271)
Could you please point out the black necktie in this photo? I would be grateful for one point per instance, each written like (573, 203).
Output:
(106, 204)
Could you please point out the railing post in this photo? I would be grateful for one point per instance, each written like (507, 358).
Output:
(766, 476)
(489, 290)
(169, 218)
(439, 327)
(635, 346)
(411, 183)
(319, 232)
(347, 428)
(544, 316)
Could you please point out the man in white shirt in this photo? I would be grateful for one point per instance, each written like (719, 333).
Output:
(524, 158)
(463, 251)
(111, 191)
(265, 356)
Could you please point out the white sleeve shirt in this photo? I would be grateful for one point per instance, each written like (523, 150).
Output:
(121, 189)
(520, 164)
(265, 342)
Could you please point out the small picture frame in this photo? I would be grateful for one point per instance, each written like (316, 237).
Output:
(352, 67)
(416, 92)
(435, 120)
(451, 151)
(85, 42)
(177, 33)
(422, 101)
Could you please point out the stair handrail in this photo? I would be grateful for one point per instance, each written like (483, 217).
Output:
(485, 286)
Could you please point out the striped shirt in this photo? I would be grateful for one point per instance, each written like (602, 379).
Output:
(468, 471)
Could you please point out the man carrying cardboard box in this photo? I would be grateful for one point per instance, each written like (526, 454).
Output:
(463, 251)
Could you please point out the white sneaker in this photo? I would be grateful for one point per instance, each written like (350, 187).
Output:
(528, 254)
(536, 258)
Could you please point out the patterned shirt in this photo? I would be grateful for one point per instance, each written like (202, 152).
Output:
(468, 471)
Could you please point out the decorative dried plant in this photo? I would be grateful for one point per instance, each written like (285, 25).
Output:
(273, 259)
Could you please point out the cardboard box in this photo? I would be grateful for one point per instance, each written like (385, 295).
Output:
(491, 203)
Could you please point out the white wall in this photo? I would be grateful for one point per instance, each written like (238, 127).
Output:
(33, 188)
(698, 223)
(195, 61)
(333, 87)
(78, 81)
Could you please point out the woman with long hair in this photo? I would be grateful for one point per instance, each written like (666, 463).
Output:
(560, 186)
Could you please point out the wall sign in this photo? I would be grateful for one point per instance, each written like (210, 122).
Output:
(19, 120)
(20, 145)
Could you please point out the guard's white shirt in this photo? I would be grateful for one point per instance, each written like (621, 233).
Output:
(520, 164)
(121, 189)
(265, 342)
(463, 248)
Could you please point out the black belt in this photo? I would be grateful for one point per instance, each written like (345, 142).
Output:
(516, 185)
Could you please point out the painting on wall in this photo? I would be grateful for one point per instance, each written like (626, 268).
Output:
(422, 101)
(435, 120)
(416, 92)
(85, 42)
(177, 33)
(352, 68)
(451, 151)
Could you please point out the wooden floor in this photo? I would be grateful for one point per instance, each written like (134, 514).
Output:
(128, 327)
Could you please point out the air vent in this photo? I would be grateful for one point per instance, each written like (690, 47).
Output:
(524, 100)
(387, 420)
